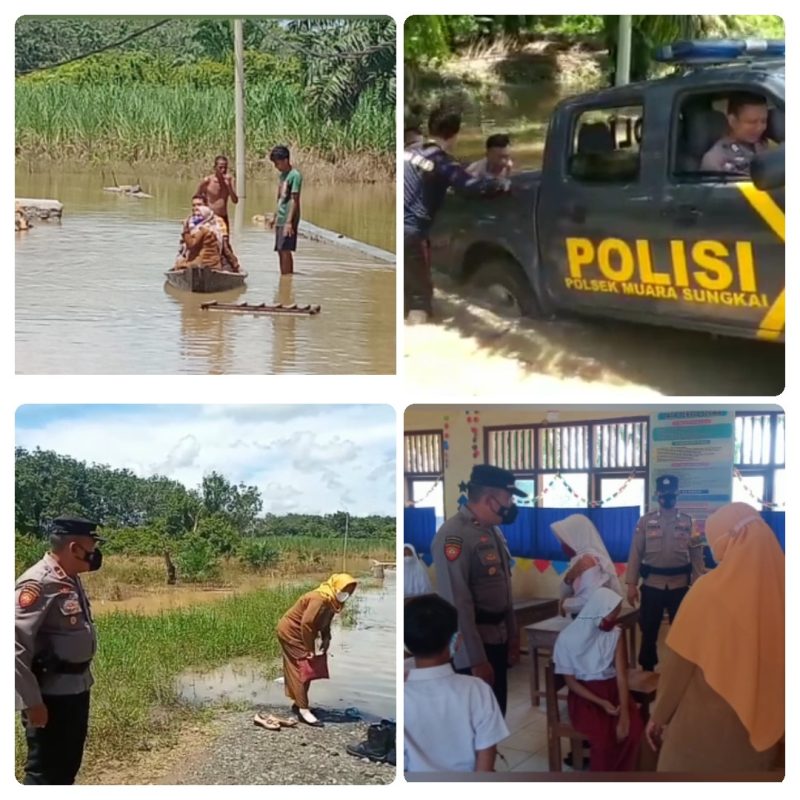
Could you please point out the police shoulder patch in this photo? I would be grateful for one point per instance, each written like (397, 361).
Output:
(452, 547)
(29, 594)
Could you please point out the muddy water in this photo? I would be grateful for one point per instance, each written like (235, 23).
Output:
(90, 293)
(168, 598)
(361, 663)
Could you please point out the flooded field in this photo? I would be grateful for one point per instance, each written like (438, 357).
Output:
(361, 662)
(91, 297)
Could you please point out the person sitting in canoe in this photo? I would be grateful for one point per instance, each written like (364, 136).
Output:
(201, 240)
(228, 260)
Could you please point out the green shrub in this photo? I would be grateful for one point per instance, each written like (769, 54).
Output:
(27, 551)
(259, 553)
(197, 561)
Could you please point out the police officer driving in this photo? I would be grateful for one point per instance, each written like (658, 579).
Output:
(747, 123)
(473, 572)
(55, 645)
(667, 559)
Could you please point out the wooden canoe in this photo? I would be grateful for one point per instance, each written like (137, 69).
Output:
(262, 308)
(202, 279)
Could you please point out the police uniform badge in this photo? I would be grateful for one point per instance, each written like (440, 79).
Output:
(29, 594)
(452, 547)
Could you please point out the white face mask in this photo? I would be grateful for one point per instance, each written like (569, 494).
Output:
(342, 596)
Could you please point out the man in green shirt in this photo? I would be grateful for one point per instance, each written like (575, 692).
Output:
(287, 215)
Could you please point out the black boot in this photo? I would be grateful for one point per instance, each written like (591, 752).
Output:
(380, 744)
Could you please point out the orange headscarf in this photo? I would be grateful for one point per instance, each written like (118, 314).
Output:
(335, 584)
(731, 623)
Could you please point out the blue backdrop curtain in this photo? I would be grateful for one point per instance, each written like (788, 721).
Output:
(530, 535)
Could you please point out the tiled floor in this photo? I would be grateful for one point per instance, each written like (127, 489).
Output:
(525, 750)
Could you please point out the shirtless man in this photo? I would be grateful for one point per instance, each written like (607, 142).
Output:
(216, 189)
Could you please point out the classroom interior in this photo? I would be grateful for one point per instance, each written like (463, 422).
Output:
(600, 459)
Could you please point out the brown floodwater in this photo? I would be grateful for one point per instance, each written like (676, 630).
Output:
(91, 298)
(155, 599)
(361, 664)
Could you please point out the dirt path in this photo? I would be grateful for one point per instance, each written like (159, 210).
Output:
(471, 350)
(229, 750)
(242, 753)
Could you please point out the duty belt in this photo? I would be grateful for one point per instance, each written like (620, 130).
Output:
(646, 570)
(53, 665)
(490, 617)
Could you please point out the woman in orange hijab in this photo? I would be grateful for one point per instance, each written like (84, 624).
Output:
(721, 689)
(310, 617)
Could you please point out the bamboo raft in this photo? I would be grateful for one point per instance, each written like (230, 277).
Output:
(263, 308)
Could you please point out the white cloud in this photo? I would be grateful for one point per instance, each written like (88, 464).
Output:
(313, 459)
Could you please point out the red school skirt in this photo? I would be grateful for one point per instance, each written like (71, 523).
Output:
(600, 728)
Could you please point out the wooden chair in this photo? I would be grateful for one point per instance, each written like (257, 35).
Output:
(556, 727)
(643, 686)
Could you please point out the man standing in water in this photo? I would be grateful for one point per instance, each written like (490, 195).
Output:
(287, 215)
(216, 189)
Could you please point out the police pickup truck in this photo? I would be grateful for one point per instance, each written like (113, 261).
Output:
(622, 222)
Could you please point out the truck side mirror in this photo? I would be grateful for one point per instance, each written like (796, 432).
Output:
(768, 170)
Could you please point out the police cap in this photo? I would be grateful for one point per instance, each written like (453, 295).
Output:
(666, 484)
(494, 478)
(75, 526)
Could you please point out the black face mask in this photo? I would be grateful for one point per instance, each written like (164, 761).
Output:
(668, 500)
(93, 559)
(507, 514)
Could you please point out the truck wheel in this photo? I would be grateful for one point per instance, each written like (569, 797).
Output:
(502, 283)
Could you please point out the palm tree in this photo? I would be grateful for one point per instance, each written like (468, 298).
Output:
(344, 58)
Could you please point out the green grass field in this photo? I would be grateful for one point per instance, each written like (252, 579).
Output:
(141, 123)
(134, 700)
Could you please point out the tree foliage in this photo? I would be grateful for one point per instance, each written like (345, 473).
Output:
(148, 513)
(434, 38)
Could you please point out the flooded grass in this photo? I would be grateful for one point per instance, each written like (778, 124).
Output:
(135, 702)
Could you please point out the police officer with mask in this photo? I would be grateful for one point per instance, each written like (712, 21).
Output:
(473, 572)
(429, 171)
(665, 556)
(55, 645)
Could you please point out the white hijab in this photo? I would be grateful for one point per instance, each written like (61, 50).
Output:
(582, 649)
(415, 575)
(579, 534)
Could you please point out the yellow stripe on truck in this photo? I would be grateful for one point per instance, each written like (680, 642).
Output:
(774, 320)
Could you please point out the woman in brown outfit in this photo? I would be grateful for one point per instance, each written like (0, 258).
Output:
(310, 617)
(201, 242)
(721, 688)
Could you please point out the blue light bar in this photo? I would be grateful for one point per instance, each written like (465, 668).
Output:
(719, 51)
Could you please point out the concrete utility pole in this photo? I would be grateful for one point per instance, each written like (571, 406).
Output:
(241, 163)
(623, 71)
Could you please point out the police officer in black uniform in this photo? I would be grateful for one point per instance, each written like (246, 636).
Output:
(428, 172)
(667, 558)
(473, 572)
(55, 644)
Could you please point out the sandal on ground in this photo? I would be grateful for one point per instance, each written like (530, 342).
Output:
(270, 723)
(284, 722)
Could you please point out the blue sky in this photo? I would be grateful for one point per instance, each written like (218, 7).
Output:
(304, 458)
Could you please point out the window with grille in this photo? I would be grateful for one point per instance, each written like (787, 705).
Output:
(512, 448)
(620, 445)
(564, 447)
(423, 453)
(759, 457)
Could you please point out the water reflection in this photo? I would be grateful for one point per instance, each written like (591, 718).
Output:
(362, 666)
(90, 298)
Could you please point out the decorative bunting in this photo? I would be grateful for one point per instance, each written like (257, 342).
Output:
(446, 442)
(620, 569)
(473, 420)
(766, 503)
(542, 564)
(525, 564)
(560, 566)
